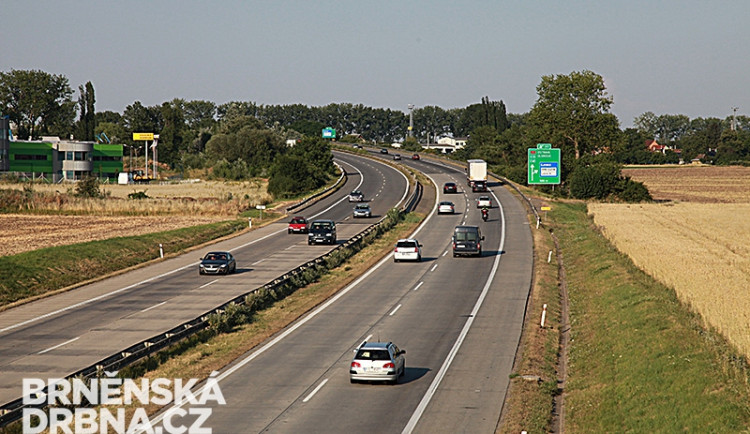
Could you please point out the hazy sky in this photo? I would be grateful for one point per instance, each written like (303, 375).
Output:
(668, 57)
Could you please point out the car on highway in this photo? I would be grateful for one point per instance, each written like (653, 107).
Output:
(484, 202)
(446, 207)
(297, 225)
(407, 250)
(322, 232)
(383, 151)
(415, 157)
(377, 361)
(467, 240)
(450, 187)
(478, 187)
(362, 210)
(356, 196)
(397, 156)
(217, 263)
(356, 147)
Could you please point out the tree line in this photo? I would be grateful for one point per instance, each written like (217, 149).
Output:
(243, 139)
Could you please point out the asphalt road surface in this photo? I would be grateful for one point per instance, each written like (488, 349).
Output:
(459, 319)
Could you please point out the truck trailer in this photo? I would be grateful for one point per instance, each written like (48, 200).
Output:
(476, 175)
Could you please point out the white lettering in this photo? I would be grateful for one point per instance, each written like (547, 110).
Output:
(197, 426)
(170, 428)
(28, 416)
(110, 393)
(60, 418)
(82, 390)
(85, 421)
(58, 391)
(32, 391)
(160, 387)
(141, 393)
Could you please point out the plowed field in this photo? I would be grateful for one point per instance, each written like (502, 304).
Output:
(23, 232)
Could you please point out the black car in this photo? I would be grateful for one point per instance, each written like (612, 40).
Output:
(217, 263)
(450, 187)
(383, 151)
(322, 231)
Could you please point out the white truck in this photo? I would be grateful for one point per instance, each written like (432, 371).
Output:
(476, 175)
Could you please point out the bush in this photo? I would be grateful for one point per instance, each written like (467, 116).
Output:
(88, 187)
(138, 195)
(634, 191)
(594, 182)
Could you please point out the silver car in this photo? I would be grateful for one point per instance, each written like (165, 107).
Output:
(362, 210)
(377, 361)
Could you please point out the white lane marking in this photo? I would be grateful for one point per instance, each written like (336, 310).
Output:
(394, 310)
(457, 345)
(258, 262)
(209, 283)
(308, 397)
(291, 247)
(434, 267)
(418, 285)
(154, 306)
(58, 346)
(444, 253)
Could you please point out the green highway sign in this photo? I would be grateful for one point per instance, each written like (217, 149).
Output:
(329, 133)
(544, 164)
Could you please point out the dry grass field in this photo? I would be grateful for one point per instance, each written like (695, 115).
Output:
(170, 206)
(699, 244)
(713, 184)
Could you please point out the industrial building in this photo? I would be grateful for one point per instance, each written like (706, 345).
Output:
(57, 160)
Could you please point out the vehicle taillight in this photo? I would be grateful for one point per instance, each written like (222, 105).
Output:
(356, 365)
(389, 366)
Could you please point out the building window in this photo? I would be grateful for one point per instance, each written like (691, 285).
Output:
(27, 157)
(69, 155)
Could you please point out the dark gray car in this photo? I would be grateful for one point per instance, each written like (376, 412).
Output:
(322, 231)
(467, 240)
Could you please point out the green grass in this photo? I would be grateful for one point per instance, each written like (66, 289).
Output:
(40, 271)
(639, 360)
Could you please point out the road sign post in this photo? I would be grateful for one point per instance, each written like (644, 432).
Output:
(544, 165)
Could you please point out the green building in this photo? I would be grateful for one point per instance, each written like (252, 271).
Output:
(57, 160)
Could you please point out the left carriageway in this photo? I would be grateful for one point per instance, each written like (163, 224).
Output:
(58, 335)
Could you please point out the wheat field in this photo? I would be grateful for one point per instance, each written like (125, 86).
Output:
(699, 248)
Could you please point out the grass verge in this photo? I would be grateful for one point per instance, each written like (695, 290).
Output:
(640, 361)
(534, 379)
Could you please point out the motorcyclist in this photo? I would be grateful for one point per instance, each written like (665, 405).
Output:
(485, 213)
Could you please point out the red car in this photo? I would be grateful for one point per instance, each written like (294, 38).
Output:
(298, 225)
(415, 157)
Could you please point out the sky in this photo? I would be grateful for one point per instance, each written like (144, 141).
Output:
(667, 57)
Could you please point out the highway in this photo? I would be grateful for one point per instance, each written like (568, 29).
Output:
(61, 334)
(459, 319)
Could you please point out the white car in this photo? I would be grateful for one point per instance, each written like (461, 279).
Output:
(446, 207)
(377, 361)
(484, 202)
(407, 250)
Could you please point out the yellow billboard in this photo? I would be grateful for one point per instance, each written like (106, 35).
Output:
(143, 136)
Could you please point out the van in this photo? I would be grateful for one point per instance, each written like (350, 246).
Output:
(467, 240)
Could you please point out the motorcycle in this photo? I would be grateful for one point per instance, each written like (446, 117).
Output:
(485, 214)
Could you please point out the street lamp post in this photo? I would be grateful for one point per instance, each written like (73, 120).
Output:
(411, 120)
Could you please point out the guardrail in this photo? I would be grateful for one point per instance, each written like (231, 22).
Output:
(334, 187)
(13, 410)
